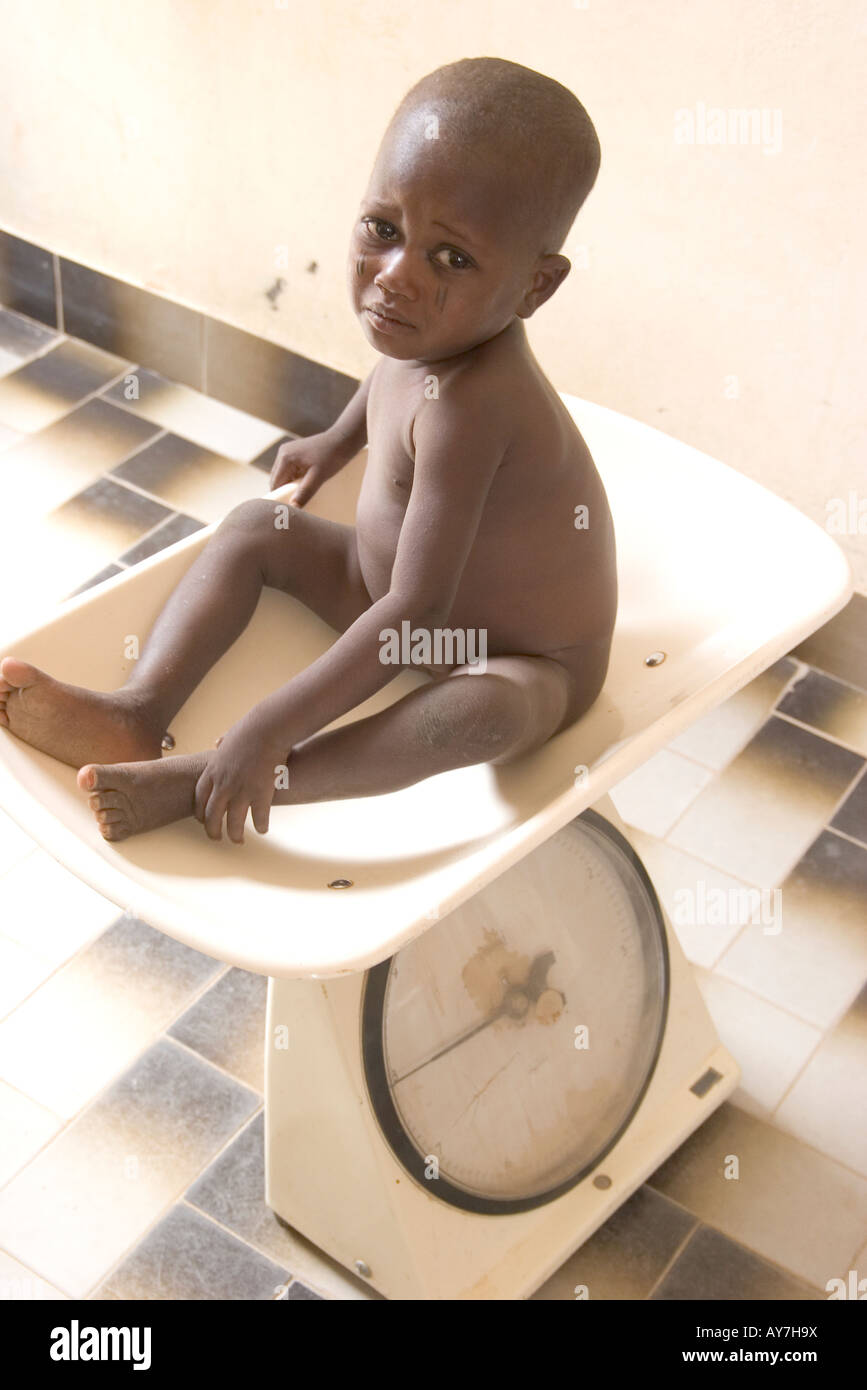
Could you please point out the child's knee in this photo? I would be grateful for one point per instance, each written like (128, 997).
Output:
(255, 517)
(482, 716)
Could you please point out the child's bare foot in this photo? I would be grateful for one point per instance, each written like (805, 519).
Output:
(70, 722)
(128, 798)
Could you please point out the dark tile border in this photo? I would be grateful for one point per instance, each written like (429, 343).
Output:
(27, 279)
(840, 647)
(181, 344)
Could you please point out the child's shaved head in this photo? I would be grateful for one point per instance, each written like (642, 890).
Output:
(499, 115)
(478, 179)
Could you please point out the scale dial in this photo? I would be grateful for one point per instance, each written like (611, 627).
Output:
(507, 1048)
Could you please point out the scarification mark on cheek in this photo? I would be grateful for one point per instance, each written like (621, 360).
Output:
(359, 266)
(442, 292)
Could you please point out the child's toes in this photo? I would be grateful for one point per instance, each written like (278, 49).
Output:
(116, 830)
(93, 777)
(110, 816)
(108, 800)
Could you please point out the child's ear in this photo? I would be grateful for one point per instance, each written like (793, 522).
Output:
(550, 273)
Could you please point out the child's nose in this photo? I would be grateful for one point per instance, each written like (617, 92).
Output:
(399, 275)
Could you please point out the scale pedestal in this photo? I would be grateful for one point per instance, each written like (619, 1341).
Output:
(332, 1174)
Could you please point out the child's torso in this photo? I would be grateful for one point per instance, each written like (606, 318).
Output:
(533, 580)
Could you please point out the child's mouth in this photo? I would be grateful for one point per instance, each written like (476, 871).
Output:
(385, 323)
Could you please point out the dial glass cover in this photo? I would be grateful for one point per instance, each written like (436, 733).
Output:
(507, 1048)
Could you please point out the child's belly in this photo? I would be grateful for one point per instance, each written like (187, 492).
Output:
(535, 586)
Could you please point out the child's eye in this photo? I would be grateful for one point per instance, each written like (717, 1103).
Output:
(447, 256)
(378, 224)
(455, 260)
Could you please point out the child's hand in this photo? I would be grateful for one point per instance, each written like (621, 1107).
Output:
(240, 776)
(312, 461)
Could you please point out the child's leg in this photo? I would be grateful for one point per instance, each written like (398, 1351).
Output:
(511, 708)
(312, 559)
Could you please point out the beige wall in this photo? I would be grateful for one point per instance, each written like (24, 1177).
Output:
(178, 144)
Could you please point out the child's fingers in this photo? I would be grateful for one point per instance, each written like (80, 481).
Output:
(236, 815)
(214, 812)
(203, 791)
(261, 813)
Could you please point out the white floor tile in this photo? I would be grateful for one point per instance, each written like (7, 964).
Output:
(654, 796)
(21, 972)
(204, 420)
(50, 911)
(7, 435)
(825, 1103)
(24, 1128)
(815, 965)
(769, 1045)
(691, 893)
(20, 1284)
(14, 845)
(69, 1039)
(720, 735)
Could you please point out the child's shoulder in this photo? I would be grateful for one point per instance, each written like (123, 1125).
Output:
(464, 408)
(485, 384)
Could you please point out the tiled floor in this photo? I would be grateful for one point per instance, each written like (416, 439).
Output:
(131, 1119)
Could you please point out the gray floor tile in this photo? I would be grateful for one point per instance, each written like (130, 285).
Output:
(830, 707)
(757, 818)
(852, 815)
(232, 1191)
(99, 522)
(239, 1049)
(107, 1003)
(77, 1209)
(174, 528)
(715, 1269)
(192, 479)
(790, 1205)
(814, 965)
(66, 456)
(186, 1257)
(296, 1292)
(720, 734)
(626, 1256)
(265, 460)
(20, 339)
(42, 390)
(108, 573)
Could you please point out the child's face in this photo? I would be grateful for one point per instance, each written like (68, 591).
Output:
(436, 245)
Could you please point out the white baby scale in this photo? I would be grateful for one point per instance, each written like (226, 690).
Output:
(482, 1034)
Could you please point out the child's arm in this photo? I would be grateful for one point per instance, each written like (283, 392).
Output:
(350, 428)
(458, 451)
(317, 457)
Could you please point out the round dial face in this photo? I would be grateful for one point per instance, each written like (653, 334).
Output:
(507, 1048)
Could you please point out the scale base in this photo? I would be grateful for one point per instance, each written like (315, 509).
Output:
(331, 1175)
